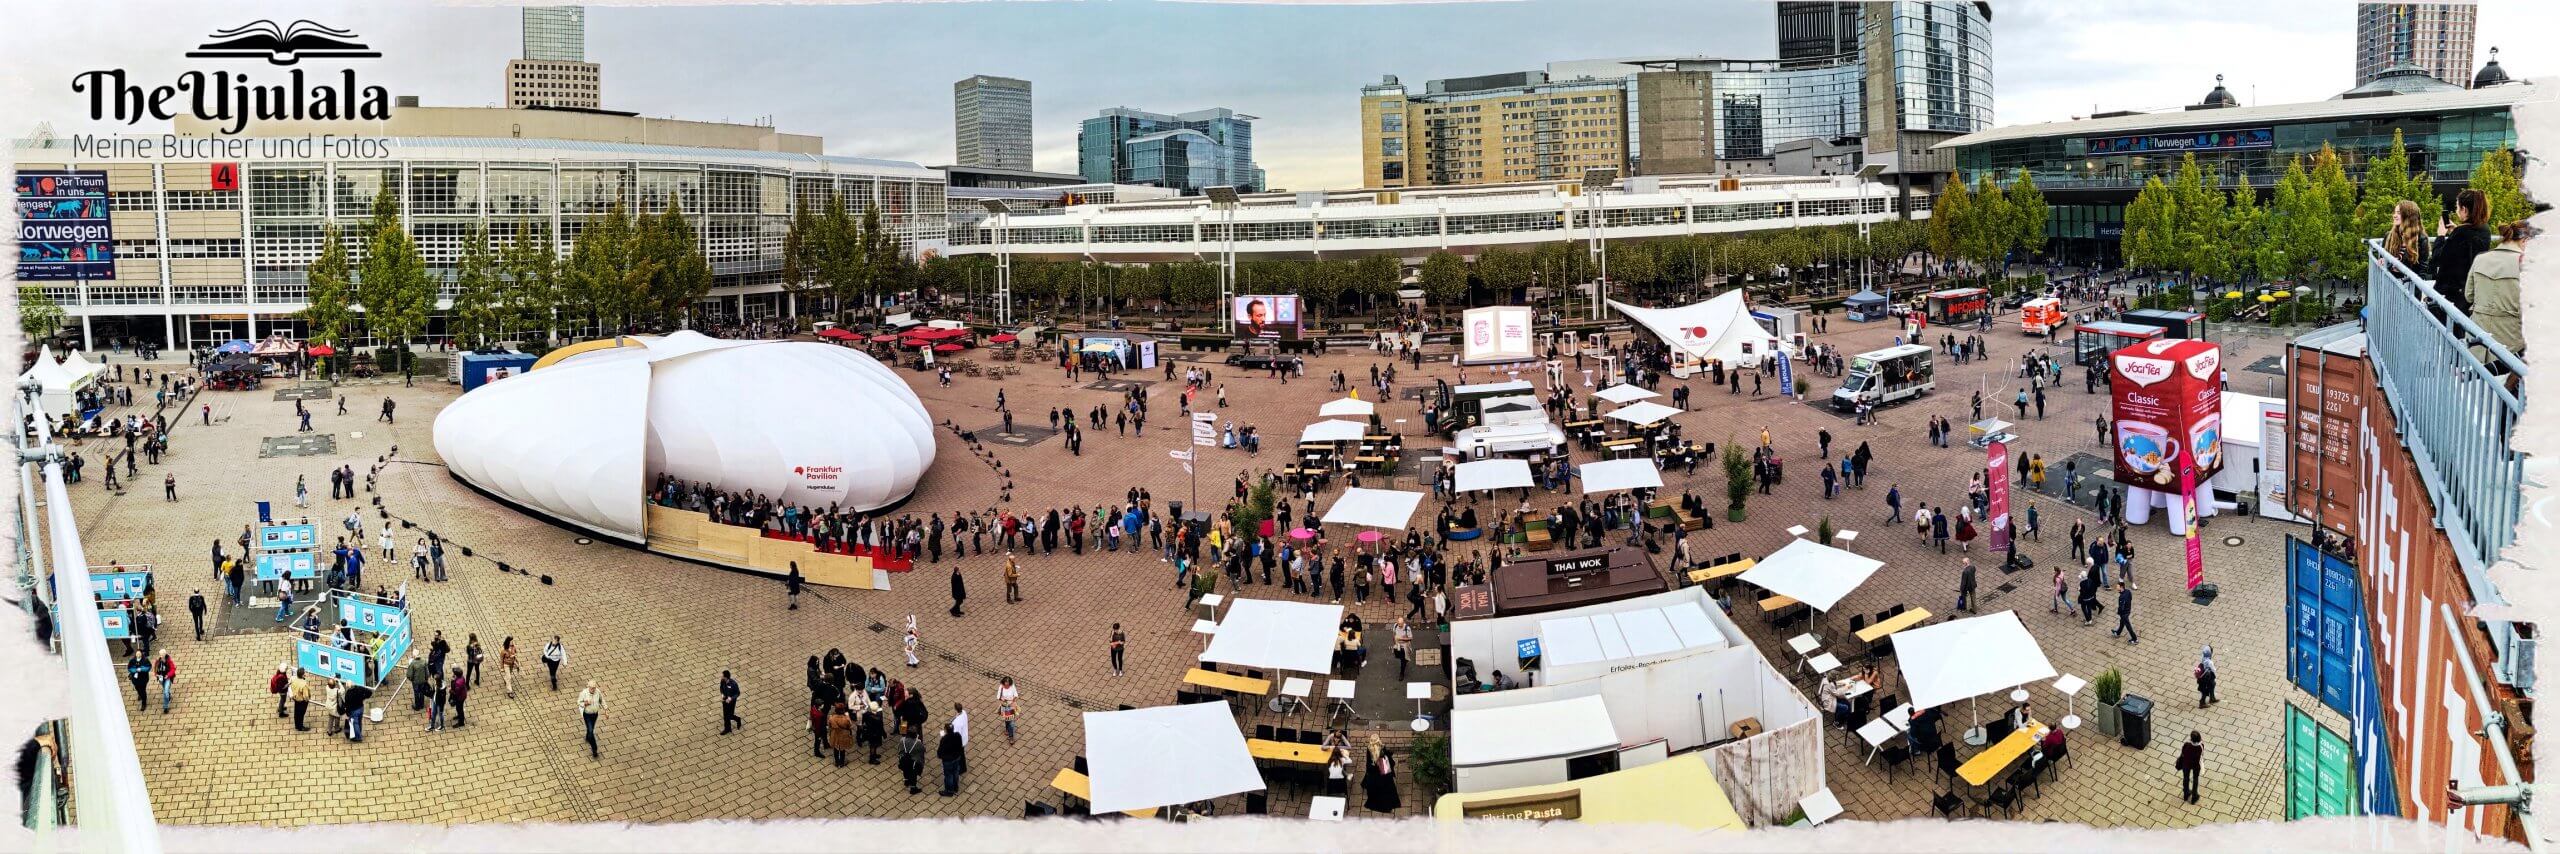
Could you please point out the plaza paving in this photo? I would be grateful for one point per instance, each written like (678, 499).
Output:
(656, 632)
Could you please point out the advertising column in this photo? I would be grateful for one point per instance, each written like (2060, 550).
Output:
(1998, 464)
(2168, 416)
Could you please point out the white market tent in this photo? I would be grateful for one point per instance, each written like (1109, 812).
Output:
(1646, 633)
(80, 367)
(1623, 393)
(1715, 329)
(1643, 413)
(1529, 732)
(1347, 406)
(1962, 659)
(1374, 508)
(1334, 431)
(1275, 634)
(579, 441)
(1615, 475)
(1165, 755)
(56, 384)
(1815, 574)
(1493, 474)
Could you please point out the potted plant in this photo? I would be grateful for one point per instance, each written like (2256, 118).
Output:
(1822, 532)
(2110, 692)
(1802, 386)
(1429, 759)
(1737, 480)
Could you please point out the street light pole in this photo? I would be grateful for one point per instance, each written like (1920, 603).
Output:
(1004, 259)
(1225, 198)
(1595, 182)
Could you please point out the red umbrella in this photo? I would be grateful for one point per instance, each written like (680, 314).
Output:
(836, 332)
(1002, 338)
(883, 338)
(949, 348)
(322, 350)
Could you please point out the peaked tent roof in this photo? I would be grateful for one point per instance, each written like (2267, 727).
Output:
(1715, 329)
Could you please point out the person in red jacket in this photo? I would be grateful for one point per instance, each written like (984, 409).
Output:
(461, 690)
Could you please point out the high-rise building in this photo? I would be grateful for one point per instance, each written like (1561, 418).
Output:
(1928, 80)
(991, 122)
(555, 33)
(2435, 37)
(554, 71)
(1185, 152)
(1495, 128)
(1733, 116)
(1808, 30)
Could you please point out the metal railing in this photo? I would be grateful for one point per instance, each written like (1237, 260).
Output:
(2457, 395)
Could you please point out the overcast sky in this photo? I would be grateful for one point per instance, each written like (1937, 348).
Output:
(875, 80)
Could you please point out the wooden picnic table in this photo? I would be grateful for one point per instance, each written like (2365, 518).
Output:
(1227, 682)
(1898, 622)
(1996, 760)
(1284, 751)
(1728, 570)
(1081, 787)
(1774, 603)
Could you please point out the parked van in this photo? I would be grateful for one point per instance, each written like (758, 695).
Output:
(1885, 376)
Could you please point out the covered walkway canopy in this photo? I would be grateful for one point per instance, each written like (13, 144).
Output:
(1812, 573)
(1166, 755)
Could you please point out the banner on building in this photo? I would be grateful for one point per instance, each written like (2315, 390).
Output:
(1496, 334)
(63, 231)
(1998, 511)
(2195, 538)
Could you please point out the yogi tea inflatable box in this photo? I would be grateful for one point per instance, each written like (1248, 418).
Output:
(2168, 411)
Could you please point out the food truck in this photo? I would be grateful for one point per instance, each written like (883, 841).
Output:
(1463, 406)
(2091, 342)
(1957, 305)
(2041, 316)
(2172, 323)
(1884, 376)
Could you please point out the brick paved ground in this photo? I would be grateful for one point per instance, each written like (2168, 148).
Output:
(656, 632)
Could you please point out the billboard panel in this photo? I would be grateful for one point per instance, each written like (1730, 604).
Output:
(2168, 412)
(1496, 334)
(62, 227)
(1267, 317)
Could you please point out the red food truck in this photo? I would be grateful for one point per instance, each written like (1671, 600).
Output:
(1957, 305)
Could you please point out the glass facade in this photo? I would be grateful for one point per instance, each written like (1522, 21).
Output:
(1941, 65)
(2445, 145)
(1206, 148)
(1759, 106)
(991, 121)
(557, 33)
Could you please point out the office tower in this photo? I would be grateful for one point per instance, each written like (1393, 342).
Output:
(991, 122)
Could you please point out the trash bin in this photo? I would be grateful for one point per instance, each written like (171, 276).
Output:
(2137, 721)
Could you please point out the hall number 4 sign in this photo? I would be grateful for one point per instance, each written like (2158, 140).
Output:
(226, 177)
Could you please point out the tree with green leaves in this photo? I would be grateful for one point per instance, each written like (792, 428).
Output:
(2196, 213)
(1444, 278)
(884, 269)
(479, 313)
(2341, 253)
(392, 281)
(529, 293)
(1983, 229)
(2296, 215)
(2234, 256)
(1948, 215)
(607, 275)
(2388, 181)
(38, 315)
(2028, 214)
(2496, 177)
(678, 274)
(1504, 270)
(330, 291)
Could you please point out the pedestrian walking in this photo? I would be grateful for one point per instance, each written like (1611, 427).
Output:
(1008, 705)
(1119, 651)
(2205, 679)
(1013, 577)
(729, 706)
(2124, 615)
(2190, 766)
(1893, 501)
(959, 591)
(167, 669)
(300, 691)
(168, 484)
(954, 750)
(507, 666)
(1964, 588)
(791, 587)
(910, 755)
(555, 654)
(839, 730)
(590, 707)
(460, 689)
(195, 610)
(471, 655)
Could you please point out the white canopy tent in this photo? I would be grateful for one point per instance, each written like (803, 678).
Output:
(1347, 406)
(1812, 573)
(1615, 475)
(80, 367)
(1334, 431)
(56, 384)
(1645, 633)
(1166, 755)
(1493, 474)
(1643, 413)
(1275, 634)
(1716, 329)
(1623, 393)
(1962, 659)
(1374, 508)
(1529, 732)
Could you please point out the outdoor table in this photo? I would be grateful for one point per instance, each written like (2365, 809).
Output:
(1702, 576)
(1213, 599)
(1995, 761)
(1899, 716)
(1804, 644)
(1417, 692)
(1821, 806)
(2070, 687)
(1901, 621)
(1823, 663)
(1798, 531)
(1876, 733)
(1225, 682)
(1341, 692)
(1081, 788)
(1288, 751)
(2018, 696)
(1205, 627)
(1296, 689)
(1326, 808)
(1774, 603)
(1848, 540)
(1857, 688)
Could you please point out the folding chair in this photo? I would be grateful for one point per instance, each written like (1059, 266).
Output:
(1262, 731)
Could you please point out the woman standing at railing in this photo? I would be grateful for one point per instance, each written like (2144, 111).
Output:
(2407, 240)
(2459, 244)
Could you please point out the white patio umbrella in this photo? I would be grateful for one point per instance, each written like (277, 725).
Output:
(1965, 659)
(1493, 474)
(1642, 413)
(1615, 475)
(1623, 394)
(1334, 431)
(1351, 406)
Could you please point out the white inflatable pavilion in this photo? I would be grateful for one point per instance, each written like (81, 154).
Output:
(580, 441)
(1719, 329)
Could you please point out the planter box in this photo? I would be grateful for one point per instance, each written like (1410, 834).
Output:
(2110, 720)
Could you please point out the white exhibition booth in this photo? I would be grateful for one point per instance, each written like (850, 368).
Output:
(1275, 634)
(1373, 508)
(1165, 755)
(1614, 475)
(1719, 329)
(1493, 474)
(1670, 673)
(800, 422)
(1812, 573)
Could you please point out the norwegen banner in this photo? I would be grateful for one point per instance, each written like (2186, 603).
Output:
(1999, 483)
(2195, 542)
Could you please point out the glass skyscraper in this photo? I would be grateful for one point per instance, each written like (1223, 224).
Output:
(556, 33)
(1188, 151)
(991, 122)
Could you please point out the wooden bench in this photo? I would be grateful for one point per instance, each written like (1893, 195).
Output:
(1706, 574)
(1537, 537)
(1899, 622)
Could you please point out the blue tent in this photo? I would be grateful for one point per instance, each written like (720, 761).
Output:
(1865, 305)
(233, 346)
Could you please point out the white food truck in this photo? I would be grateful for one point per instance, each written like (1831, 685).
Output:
(1884, 376)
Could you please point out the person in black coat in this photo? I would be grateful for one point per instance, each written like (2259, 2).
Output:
(959, 590)
(953, 754)
(2459, 244)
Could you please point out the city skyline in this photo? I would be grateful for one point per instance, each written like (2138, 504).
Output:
(1300, 75)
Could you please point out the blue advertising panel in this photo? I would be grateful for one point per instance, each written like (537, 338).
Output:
(2205, 140)
(298, 536)
(393, 647)
(295, 565)
(1528, 648)
(118, 586)
(116, 622)
(2329, 656)
(366, 616)
(1786, 374)
(63, 232)
(321, 659)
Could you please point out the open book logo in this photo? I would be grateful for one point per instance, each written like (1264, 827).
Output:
(283, 45)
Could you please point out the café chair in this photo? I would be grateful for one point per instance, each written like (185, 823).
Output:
(2026, 776)
(1262, 731)
(1898, 609)
(1946, 803)
(2006, 799)
(1895, 756)
(2053, 757)
(1310, 737)
(1946, 760)
(1079, 766)
(1257, 803)
(1288, 735)
(1857, 623)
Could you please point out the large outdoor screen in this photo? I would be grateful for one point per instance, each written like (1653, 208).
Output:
(62, 227)
(1267, 317)
(1495, 334)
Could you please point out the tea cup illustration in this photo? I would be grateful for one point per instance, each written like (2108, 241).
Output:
(2205, 438)
(2145, 447)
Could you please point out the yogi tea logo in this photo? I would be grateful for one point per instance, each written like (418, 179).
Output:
(230, 100)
